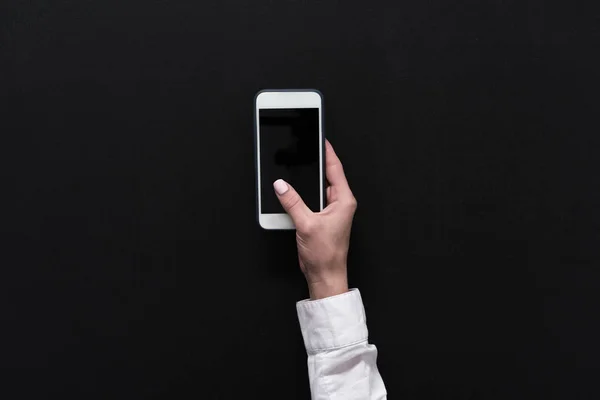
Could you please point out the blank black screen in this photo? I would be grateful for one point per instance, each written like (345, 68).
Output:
(289, 150)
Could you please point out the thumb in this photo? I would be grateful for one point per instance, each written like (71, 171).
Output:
(291, 201)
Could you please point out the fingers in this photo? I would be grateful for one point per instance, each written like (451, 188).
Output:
(335, 171)
(291, 201)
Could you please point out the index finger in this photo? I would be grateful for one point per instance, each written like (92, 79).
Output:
(334, 169)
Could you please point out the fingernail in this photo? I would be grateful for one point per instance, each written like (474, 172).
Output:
(280, 186)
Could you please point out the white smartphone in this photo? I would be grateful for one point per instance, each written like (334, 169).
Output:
(289, 145)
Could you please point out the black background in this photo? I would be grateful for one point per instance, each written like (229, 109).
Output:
(132, 264)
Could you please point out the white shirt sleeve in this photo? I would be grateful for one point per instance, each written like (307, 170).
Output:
(341, 362)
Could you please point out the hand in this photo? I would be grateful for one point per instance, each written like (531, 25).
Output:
(323, 237)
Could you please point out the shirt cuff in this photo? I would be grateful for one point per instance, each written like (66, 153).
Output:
(332, 322)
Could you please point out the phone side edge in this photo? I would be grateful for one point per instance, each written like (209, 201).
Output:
(256, 160)
(323, 160)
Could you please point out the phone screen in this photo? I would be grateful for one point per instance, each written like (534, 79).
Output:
(289, 150)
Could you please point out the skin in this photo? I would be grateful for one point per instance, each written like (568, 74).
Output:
(323, 237)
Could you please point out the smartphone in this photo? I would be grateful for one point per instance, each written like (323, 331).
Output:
(289, 145)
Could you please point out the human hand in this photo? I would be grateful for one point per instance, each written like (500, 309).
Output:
(322, 237)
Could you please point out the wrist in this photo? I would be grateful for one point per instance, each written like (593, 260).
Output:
(327, 288)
